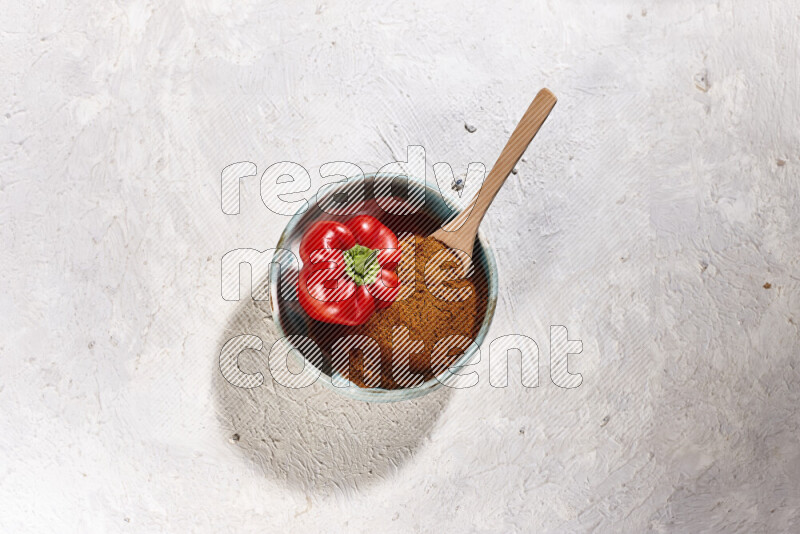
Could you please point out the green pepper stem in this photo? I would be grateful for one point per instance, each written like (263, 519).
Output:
(361, 264)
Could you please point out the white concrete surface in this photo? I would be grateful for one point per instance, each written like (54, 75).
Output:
(650, 212)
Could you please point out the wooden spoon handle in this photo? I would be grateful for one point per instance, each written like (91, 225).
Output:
(460, 232)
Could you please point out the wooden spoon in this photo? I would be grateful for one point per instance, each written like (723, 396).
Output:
(460, 232)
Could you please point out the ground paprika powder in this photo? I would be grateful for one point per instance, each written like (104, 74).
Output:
(427, 318)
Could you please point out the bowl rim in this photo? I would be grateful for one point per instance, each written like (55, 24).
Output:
(378, 395)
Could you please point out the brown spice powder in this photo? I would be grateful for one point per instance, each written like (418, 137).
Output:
(428, 319)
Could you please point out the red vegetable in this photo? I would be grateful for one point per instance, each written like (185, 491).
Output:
(348, 270)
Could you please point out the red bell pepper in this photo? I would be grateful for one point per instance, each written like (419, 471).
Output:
(348, 270)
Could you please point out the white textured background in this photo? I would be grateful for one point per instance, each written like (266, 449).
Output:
(647, 218)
